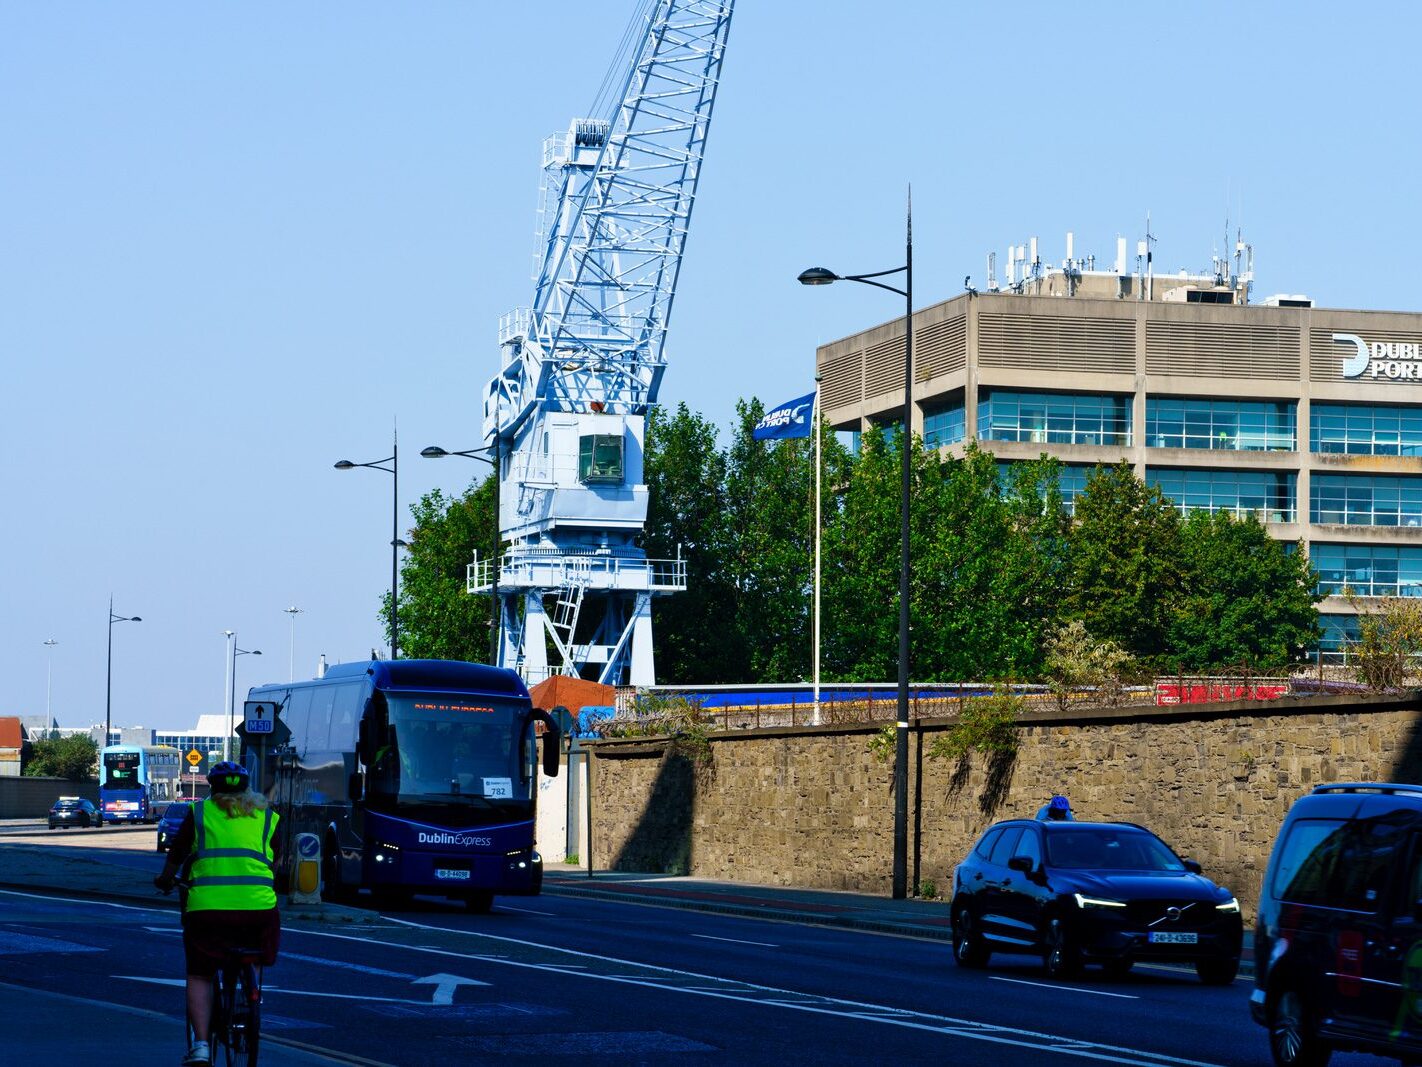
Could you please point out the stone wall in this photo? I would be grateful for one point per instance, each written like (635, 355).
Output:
(813, 807)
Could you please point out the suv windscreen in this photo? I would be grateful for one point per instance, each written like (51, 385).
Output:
(1306, 860)
(1109, 849)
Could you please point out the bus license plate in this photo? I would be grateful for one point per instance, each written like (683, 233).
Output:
(444, 874)
(1160, 937)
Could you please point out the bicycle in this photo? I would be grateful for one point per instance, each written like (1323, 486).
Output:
(235, 1025)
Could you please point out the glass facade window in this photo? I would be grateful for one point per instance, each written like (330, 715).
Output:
(943, 425)
(1071, 483)
(1228, 425)
(1054, 418)
(1364, 500)
(1267, 495)
(889, 428)
(1340, 634)
(1368, 570)
(1366, 429)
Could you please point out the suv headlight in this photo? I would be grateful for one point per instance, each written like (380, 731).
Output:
(1097, 902)
(1230, 905)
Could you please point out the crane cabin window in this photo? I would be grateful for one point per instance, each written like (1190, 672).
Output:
(600, 459)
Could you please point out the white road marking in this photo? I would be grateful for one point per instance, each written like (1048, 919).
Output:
(1063, 988)
(361, 967)
(273, 989)
(77, 902)
(445, 985)
(758, 995)
(735, 940)
(527, 911)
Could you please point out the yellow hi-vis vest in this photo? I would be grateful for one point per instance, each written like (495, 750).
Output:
(232, 860)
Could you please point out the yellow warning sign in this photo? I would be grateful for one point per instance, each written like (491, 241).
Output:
(194, 756)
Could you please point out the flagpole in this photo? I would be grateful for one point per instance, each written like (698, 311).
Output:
(815, 422)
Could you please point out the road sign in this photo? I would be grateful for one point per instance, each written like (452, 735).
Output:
(194, 756)
(261, 717)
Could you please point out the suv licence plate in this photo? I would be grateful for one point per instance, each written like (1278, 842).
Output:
(1160, 937)
(444, 874)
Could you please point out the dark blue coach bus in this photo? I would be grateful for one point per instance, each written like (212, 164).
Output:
(419, 776)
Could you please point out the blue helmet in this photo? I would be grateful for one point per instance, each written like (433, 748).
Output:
(228, 777)
(1060, 803)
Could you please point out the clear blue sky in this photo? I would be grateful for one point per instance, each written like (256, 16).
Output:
(239, 242)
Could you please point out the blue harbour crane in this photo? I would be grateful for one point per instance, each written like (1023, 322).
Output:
(565, 417)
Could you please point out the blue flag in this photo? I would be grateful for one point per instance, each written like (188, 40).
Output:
(788, 421)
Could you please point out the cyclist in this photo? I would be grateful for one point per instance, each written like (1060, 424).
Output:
(1055, 810)
(231, 842)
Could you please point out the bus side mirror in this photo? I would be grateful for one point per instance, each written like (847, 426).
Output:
(552, 737)
(356, 785)
(363, 746)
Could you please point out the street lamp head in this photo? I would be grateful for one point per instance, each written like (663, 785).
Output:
(433, 452)
(818, 276)
(136, 618)
(344, 465)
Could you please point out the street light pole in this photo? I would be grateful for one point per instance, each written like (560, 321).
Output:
(232, 653)
(293, 612)
(394, 470)
(109, 674)
(49, 685)
(435, 452)
(822, 276)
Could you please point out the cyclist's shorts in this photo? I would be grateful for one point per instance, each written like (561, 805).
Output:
(208, 935)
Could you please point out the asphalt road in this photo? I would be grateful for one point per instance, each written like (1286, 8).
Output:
(622, 983)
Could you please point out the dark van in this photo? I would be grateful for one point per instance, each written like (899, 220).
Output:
(1338, 945)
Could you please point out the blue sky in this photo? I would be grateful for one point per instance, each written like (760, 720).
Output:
(240, 242)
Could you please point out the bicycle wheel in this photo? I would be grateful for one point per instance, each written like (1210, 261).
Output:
(245, 1030)
(224, 1011)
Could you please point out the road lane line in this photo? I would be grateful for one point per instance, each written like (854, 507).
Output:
(176, 982)
(528, 911)
(361, 967)
(735, 941)
(1063, 988)
(845, 1009)
(77, 902)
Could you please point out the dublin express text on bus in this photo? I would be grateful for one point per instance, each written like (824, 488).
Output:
(418, 776)
(135, 782)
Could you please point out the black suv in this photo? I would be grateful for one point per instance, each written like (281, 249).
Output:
(1338, 942)
(1076, 892)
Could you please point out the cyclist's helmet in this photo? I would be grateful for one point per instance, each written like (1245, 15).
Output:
(1059, 808)
(228, 777)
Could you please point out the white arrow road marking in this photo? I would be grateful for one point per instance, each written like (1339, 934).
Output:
(273, 989)
(445, 985)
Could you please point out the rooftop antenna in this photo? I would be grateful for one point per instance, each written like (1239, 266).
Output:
(992, 272)
(1149, 258)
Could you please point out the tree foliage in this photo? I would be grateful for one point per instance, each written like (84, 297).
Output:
(75, 757)
(438, 618)
(1245, 598)
(1389, 642)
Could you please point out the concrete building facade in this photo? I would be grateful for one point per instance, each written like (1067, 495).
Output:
(1308, 417)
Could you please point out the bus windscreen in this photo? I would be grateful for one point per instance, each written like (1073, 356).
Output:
(448, 749)
(121, 770)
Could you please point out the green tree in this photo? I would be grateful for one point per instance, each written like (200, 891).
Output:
(438, 618)
(1077, 662)
(1125, 561)
(75, 757)
(696, 632)
(1389, 641)
(1245, 597)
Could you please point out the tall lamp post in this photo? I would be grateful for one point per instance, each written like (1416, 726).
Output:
(49, 684)
(292, 612)
(435, 452)
(232, 653)
(394, 470)
(109, 680)
(823, 276)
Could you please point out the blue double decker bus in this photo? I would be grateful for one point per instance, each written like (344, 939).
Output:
(135, 782)
(418, 776)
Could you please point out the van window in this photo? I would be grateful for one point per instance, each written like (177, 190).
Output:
(1002, 850)
(1369, 852)
(1306, 861)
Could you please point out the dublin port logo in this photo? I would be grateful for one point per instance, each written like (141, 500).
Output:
(1388, 360)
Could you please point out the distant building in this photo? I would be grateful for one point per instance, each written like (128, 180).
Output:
(12, 744)
(1309, 418)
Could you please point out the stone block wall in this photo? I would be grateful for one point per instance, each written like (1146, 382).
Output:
(813, 807)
